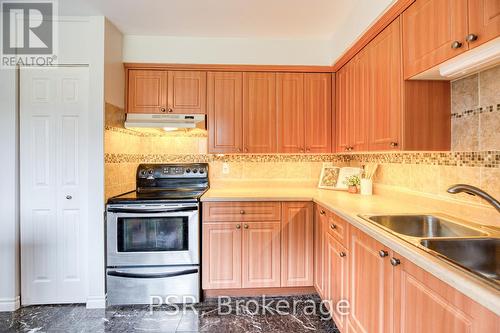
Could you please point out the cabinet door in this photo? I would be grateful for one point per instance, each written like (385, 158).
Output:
(386, 81)
(430, 27)
(318, 112)
(290, 110)
(297, 244)
(320, 221)
(342, 132)
(360, 101)
(187, 92)
(259, 113)
(337, 264)
(484, 20)
(225, 109)
(147, 91)
(221, 255)
(370, 285)
(423, 303)
(261, 255)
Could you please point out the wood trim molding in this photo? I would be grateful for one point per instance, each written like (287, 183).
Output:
(383, 21)
(231, 68)
(249, 292)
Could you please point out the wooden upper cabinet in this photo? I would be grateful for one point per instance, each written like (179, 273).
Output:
(435, 31)
(386, 82)
(361, 104)
(297, 244)
(423, 303)
(342, 116)
(225, 112)
(290, 111)
(484, 21)
(318, 112)
(221, 255)
(370, 284)
(147, 91)
(187, 92)
(259, 113)
(261, 255)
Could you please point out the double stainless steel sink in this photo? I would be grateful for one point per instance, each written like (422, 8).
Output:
(468, 246)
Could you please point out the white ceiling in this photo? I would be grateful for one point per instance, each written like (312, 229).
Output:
(305, 19)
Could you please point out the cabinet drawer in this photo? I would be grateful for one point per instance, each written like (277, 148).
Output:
(338, 228)
(241, 211)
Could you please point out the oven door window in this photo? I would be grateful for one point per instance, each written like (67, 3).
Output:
(152, 234)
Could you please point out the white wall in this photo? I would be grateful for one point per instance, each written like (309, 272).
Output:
(9, 191)
(363, 14)
(164, 49)
(114, 75)
(81, 42)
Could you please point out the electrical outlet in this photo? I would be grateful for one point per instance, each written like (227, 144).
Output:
(225, 168)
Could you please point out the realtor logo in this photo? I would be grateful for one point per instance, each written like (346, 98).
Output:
(28, 31)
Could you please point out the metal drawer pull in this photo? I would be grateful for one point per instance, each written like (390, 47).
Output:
(245, 226)
(456, 45)
(152, 275)
(322, 212)
(342, 254)
(383, 253)
(395, 261)
(242, 212)
(471, 37)
(333, 226)
(69, 197)
(238, 226)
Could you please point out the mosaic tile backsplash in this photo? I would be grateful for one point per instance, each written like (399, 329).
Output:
(474, 159)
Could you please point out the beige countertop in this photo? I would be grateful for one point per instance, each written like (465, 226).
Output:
(388, 201)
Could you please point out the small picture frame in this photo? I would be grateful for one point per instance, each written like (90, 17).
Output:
(334, 178)
(329, 176)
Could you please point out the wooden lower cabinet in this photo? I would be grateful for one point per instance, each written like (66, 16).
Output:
(221, 257)
(337, 267)
(320, 225)
(423, 303)
(261, 255)
(370, 284)
(297, 244)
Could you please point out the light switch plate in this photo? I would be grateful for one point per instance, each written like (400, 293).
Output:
(225, 168)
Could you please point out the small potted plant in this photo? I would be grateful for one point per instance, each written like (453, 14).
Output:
(352, 183)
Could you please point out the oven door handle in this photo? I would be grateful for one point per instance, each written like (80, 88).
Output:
(152, 275)
(152, 210)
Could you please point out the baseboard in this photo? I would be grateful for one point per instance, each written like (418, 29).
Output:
(96, 302)
(247, 292)
(10, 304)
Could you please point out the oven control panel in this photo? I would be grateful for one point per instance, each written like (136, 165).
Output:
(158, 171)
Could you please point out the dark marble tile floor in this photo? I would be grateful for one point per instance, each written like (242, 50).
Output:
(243, 315)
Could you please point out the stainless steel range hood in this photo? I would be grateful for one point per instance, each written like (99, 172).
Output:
(170, 121)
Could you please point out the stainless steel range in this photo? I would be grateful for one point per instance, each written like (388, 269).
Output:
(153, 236)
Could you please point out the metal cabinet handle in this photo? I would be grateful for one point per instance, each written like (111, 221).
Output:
(246, 150)
(238, 226)
(242, 212)
(301, 150)
(342, 254)
(245, 226)
(383, 253)
(308, 149)
(239, 150)
(333, 226)
(170, 110)
(471, 37)
(322, 212)
(163, 109)
(69, 197)
(393, 144)
(456, 45)
(395, 261)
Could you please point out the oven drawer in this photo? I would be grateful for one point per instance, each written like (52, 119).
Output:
(241, 211)
(138, 285)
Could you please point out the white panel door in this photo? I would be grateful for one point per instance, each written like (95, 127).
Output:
(53, 173)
